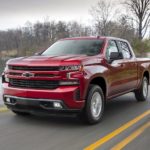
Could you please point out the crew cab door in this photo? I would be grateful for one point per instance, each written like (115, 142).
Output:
(119, 71)
(130, 64)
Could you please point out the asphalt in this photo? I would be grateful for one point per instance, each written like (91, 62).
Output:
(69, 133)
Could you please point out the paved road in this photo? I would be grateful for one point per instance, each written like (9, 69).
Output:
(66, 133)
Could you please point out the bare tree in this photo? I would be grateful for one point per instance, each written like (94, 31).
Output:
(141, 12)
(102, 14)
(77, 29)
(61, 30)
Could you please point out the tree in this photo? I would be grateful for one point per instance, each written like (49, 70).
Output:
(124, 29)
(102, 13)
(61, 30)
(141, 48)
(77, 29)
(141, 12)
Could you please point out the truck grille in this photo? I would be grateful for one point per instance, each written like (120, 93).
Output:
(37, 84)
(29, 68)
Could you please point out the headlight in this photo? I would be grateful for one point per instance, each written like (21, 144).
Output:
(70, 68)
(6, 68)
(5, 79)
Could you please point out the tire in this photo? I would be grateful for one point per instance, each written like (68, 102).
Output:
(19, 113)
(94, 108)
(142, 93)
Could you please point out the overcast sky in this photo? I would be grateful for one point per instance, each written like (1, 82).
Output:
(15, 13)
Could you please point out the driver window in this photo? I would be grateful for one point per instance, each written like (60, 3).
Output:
(112, 47)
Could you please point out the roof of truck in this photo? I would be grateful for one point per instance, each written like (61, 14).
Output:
(94, 37)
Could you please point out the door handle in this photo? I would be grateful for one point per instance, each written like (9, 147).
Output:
(122, 65)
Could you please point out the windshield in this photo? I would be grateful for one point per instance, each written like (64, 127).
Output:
(77, 47)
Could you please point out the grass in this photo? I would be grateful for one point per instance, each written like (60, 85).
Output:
(9, 53)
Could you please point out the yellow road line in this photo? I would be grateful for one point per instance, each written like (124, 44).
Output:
(116, 132)
(3, 109)
(131, 137)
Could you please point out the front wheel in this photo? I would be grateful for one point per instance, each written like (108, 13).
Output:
(142, 93)
(94, 109)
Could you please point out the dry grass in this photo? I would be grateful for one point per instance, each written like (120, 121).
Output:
(9, 53)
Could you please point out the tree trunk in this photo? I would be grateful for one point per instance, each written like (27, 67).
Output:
(140, 30)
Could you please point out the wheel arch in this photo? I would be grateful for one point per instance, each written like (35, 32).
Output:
(146, 74)
(100, 81)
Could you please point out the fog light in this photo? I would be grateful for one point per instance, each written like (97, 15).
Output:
(7, 100)
(57, 105)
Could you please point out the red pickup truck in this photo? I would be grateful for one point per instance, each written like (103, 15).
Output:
(75, 75)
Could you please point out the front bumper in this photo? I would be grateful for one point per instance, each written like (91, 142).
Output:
(68, 95)
(36, 105)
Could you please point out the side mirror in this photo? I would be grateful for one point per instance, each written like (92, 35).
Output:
(115, 56)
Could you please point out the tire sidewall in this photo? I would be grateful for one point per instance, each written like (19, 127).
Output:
(90, 117)
(144, 79)
(139, 92)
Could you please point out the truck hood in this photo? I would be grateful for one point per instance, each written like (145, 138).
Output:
(52, 60)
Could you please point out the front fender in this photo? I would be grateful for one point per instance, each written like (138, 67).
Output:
(92, 72)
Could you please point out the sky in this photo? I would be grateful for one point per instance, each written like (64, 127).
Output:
(15, 13)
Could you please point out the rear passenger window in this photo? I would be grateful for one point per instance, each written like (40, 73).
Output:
(124, 49)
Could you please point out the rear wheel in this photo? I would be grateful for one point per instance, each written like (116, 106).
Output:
(94, 109)
(142, 93)
(20, 113)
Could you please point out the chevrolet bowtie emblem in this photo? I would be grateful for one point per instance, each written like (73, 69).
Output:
(28, 74)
